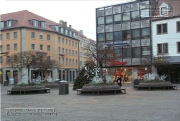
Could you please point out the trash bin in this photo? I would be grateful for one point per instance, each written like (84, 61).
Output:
(63, 87)
(136, 82)
(5, 83)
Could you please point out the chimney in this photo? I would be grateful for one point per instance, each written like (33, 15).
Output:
(81, 31)
(64, 24)
(70, 26)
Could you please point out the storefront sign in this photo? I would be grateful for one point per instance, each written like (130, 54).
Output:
(116, 63)
(119, 44)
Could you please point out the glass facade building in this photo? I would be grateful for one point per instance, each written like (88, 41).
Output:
(127, 29)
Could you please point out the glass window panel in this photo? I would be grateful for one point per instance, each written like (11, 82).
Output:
(126, 16)
(117, 36)
(126, 35)
(145, 32)
(178, 45)
(165, 48)
(146, 50)
(178, 26)
(118, 52)
(101, 37)
(135, 33)
(163, 10)
(164, 28)
(136, 52)
(100, 20)
(135, 15)
(117, 18)
(109, 19)
(158, 29)
(126, 52)
(145, 13)
(109, 36)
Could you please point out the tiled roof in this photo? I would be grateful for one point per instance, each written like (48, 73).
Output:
(174, 8)
(23, 18)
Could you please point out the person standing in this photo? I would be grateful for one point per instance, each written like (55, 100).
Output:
(119, 80)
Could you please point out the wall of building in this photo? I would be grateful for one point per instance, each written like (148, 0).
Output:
(172, 36)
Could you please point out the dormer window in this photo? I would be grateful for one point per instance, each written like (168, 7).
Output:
(62, 30)
(70, 33)
(66, 32)
(35, 23)
(56, 28)
(43, 24)
(164, 9)
(2, 24)
(9, 23)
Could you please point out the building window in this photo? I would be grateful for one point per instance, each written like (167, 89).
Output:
(101, 37)
(35, 23)
(32, 35)
(2, 24)
(63, 40)
(178, 47)
(145, 32)
(48, 37)
(9, 23)
(7, 36)
(62, 50)
(33, 46)
(43, 25)
(163, 48)
(178, 26)
(8, 47)
(162, 29)
(109, 19)
(1, 36)
(59, 39)
(1, 48)
(100, 20)
(135, 15)
(109, 36)
(117, 36)
(126, 16)
(117, 18)
(59, 49)
(1, 59)
(48, 48)
(72, 43)
(144, 13)
(126, 35)
(136, 52)
(135, 33)
(15, 46)
(118, 52)
(66, 42)
(126, 52)
(41, 47)
(8, 59)
(41, 37)
(69, 42)
(15, 35)
(15, 58)
(164, 10)
(146, 50)
(66, 62)
(66, 51)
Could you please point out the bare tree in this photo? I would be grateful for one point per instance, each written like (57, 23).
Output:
(157, 61)
(45, 63)
(102, 54)
(24, 59)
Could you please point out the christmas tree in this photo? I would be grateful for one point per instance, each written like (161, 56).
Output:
(85, 75)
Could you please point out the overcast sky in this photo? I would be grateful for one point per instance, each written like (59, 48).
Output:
(78, 13)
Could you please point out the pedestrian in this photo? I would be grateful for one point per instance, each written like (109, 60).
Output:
(119, 80)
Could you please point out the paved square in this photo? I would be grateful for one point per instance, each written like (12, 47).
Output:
(135, 105)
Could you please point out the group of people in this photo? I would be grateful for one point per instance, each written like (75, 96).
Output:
(118, 80)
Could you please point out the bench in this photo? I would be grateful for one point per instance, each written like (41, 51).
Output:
(123, 90)
(31, 90)
(150, 87)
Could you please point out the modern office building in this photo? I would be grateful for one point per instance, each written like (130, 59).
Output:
(24, 31)
(126, 27)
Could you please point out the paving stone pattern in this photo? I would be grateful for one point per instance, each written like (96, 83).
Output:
(135, 105)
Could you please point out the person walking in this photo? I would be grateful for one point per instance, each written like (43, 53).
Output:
(119, 80)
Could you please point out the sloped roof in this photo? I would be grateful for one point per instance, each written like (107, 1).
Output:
(23, 18)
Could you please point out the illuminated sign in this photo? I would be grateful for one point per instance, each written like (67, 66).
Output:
(116, 63)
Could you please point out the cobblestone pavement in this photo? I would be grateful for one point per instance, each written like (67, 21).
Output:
(136, 105)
